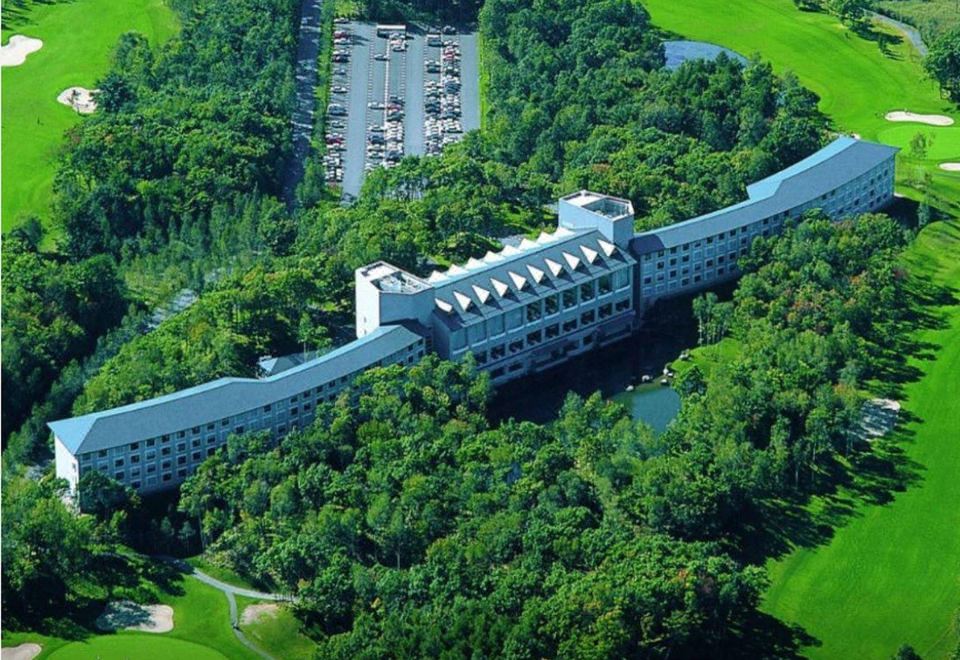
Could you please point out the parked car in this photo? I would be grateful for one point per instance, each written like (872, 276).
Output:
(449, 29)
(381, 57)
(375, 105)
(338, 89)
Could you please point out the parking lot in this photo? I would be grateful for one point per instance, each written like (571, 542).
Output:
(397, 90)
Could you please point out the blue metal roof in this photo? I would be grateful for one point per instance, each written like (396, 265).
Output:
(842, 160)
(224, 397)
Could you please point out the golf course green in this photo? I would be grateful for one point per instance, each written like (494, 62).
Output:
(201, 629)
(78, 39)
(856, 83)
(130, 645)
(890, 576)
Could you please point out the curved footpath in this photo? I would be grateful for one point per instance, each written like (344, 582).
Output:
(912, 33)
(231, 592)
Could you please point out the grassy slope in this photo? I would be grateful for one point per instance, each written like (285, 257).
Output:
(857, 85)
(931, 17)
(201, 620)
(891, 575)
(278, 635)
(78, 38)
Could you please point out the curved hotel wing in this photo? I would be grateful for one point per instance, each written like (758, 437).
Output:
(518, 311)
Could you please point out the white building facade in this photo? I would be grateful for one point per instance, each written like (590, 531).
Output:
(518, 311)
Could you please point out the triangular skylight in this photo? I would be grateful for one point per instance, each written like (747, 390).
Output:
(572, 261)
(436, 276)
(536, 273)
(463, 300)
(519, 281)
(500, 287)
(443, 305)
(483, 295)
(554, 267)
(608, 248)
(589, 253)
(527, 244)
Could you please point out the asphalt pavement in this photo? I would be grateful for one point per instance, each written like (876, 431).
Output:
(308, 47)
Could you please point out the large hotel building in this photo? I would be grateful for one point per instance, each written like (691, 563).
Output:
(518, 311)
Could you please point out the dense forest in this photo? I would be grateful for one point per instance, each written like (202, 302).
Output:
(410, 523)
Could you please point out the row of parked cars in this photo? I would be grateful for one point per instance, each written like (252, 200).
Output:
(337, 108)
(442, 124)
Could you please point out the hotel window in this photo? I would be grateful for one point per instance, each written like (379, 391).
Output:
(151, 442)
(481, 357)
(181, 434)
(587, 317)
(587, 292)
(195, 430)
(498, 352)
(135, 485)
(181, 460)
(623, 305)
(673, 262)
(570, 326)
(514, 318)
(182, 446)
(647, 280)
(552, 331)
(225, 422)
(552, 304)
(606, 310)
(102, 453)
(134, 446)
(165, 465)
(211, 451)
(211, 440)
(182, 473)
(569, 298)
(165, 451)
(196, 456)
(496, 373)
(134, 459)
(118, 462)
(495, 325)
(605, 284)
(267, 408)
(118, 476)
(516, 346)
(294, 410)
(458, 339)
(476, 333)
(533, 312)
(195, 442)
(211, 427)
(151, 469)
(534, 338)
(167, 476)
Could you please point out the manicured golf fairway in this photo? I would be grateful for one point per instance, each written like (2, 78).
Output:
(128, 645)
(892, 574)
(78, 39)
(857, 85)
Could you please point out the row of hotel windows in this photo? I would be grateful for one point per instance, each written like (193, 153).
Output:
(258, 418)
(545, 307)
(552, 331)
(845, 192)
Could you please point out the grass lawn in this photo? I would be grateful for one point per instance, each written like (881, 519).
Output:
(856, 83)
(78, 39)
(278, 635)
(220, 573)
(201, 629)
(130, 645)
(890, 576)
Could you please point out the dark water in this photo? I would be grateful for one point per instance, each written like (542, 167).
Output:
(678, 52)
(670, 328)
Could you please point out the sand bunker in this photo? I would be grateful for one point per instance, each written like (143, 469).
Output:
(950, 167)
(16, 51)
(22, 652)
(253, 613)
(878, 418)
(79, 98)
(931, 120)
(127, 615)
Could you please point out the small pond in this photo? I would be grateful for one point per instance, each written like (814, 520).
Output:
(678, 52)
